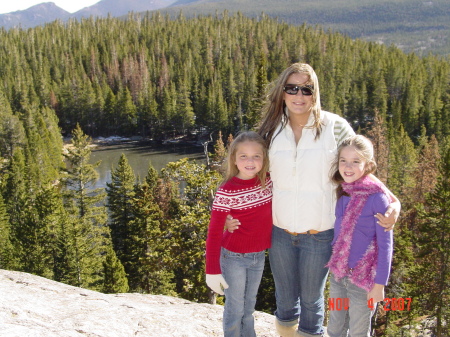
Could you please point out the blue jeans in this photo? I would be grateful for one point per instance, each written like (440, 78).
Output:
(357, 317)
(243, 273)
(298, 268)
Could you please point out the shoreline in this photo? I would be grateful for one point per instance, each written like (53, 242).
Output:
(99, 143)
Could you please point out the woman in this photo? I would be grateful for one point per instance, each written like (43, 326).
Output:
(302, 141)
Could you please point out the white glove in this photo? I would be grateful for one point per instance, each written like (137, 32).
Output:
(216, 282)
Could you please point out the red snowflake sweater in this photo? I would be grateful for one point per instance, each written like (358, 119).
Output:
(247, 201)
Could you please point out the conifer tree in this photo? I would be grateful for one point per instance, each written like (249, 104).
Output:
(427, 169)
(402, 164)
(150, 242)
(15, 196)
(405, 268)
(378, 134)
(433, 275)
(125, 111)
(64, 251)
(115, 280)
(189, 229)
(110, 120)
(7, 258)
(121, 195)
(88, 232)
(219, 155)
(183, 118)
(254, 112)
(166, 112)
(399, 170)
(38, 231)
(147, 111)
(12, 133)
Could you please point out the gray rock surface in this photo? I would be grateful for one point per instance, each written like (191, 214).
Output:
(32, 306)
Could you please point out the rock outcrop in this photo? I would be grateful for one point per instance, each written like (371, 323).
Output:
(34, 306)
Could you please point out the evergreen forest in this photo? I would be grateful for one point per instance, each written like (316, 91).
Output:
(159, 77)
(413, 25)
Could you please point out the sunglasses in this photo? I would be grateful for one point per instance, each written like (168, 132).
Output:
(292, 89)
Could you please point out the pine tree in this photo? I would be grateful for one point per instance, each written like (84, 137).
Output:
(121, 193)
(7, 258)
(254, 111)
(149, 241)
(220, 153)
(125, 111)
(110, 119)
(189, 228)
(15, 196)
(378, 135)
(433, 275)
(64, 255)
(12, 133)
(88, 231)
(402, 164)
(115, 280)
(183, 117)
(427, 166)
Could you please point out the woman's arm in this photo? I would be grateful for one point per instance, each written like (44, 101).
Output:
(231, 224)
(390, 217)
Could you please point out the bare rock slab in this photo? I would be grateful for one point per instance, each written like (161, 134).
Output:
(32, 306)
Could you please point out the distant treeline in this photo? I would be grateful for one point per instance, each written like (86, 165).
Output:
(419, 26)
(160, 78)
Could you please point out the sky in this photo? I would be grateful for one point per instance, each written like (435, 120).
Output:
(8, 6)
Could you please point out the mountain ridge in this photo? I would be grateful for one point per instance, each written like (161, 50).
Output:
(46, 12)
(34, 16)
(412, 25)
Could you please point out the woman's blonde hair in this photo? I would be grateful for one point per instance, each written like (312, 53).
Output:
(364, 149)
(275, 107)
(231, 169)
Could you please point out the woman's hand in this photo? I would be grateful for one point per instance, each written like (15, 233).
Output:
(231, 224)
(389, 219)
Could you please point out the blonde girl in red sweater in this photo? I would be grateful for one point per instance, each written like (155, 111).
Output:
(235, 261)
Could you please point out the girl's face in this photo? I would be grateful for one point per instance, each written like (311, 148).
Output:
(351, 165)
(298, 104)
(249, 159)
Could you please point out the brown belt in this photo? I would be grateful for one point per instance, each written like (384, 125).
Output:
(311, 231)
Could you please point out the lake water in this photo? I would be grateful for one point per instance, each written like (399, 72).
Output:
(139, 156)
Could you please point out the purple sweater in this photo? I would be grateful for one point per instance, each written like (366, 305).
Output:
(367, 228)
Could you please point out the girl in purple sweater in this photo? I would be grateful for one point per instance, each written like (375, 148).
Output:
(362, 250)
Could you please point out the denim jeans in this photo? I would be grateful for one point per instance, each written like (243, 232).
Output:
(243, 273)
(298, 268)
(357, 318)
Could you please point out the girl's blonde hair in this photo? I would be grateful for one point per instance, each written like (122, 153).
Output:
(275, 108)
(364, 149)
(231, 169)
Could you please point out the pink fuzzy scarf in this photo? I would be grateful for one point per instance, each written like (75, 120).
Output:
(363, 274)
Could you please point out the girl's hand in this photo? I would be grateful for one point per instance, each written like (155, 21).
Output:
(216, 282)
(389, 218)
(377, 293)
(231, 224)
